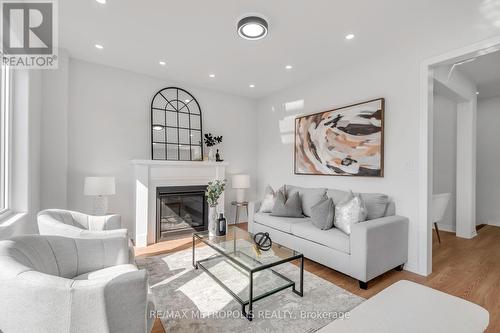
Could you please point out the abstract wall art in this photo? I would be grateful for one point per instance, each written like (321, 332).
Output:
(347, 141)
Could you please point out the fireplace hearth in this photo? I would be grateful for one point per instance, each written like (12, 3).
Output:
(180, 210)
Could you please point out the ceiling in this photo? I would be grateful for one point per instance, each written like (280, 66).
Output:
(196, 38)
(485, 72)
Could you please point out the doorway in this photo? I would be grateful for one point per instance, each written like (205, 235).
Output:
(434, 75)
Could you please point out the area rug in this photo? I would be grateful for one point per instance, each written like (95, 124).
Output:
(188, 300)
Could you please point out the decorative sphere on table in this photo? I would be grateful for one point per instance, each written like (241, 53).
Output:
(263, 241)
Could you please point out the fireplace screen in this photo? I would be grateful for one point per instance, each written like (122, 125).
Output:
(180, 210)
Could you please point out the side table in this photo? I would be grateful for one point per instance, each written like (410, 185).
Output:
(238, 206)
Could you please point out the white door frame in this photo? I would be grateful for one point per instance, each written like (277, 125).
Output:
(426, 141)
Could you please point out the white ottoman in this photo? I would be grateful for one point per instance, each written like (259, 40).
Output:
(412, 308)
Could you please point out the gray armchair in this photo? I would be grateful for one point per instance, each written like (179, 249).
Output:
(58, 284)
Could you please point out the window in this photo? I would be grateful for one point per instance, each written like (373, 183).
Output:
(5, 84)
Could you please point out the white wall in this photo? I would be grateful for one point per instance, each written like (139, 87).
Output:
(488, 160)
(396, 81)
(445, 155)
(54, 139)
(109, 125)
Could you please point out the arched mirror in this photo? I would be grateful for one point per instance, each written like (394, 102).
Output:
(176, 127)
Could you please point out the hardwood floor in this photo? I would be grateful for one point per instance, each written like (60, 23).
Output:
(467, 268)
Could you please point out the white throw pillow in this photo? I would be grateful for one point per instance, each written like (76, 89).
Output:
(267, 204)
(349, 211)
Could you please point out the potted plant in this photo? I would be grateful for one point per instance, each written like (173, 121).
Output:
(214, 190)
(210, 142)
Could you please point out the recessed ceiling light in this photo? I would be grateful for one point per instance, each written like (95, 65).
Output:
(102, 2)
(252, 28)
(211, 75)
(477, 92)
(99, 46)
(251, 85)
(157, 127)
(288, 67)
(161, 62)
(349, 37)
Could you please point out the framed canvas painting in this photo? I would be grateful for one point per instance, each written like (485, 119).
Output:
(347, 141)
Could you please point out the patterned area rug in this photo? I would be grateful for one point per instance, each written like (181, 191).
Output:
(188, 300)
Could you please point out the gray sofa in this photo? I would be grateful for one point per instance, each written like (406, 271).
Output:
(374, 246)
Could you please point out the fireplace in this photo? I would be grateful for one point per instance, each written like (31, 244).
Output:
(180, 210)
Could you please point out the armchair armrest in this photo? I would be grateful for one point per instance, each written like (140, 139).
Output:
(106, 222)
(378, 246)
(111, 305)
(253, 207)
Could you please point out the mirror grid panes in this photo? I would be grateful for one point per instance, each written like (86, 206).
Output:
(176, 126)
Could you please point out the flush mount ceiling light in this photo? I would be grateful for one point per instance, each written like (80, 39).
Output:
(157, 127)
(102, 2)
(349, 36)
(162, 63)
(252, 28)
(251, 85)
(211, 76)
(288, 67)
(99, 46)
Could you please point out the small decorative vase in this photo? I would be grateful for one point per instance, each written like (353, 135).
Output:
(211, 154)
(212, 221)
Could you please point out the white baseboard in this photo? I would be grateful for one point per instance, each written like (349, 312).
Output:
(494, 223)
(447, 227)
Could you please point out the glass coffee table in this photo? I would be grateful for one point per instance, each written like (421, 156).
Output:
(243, 271)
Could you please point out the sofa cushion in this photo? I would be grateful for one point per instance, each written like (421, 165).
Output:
(308, 196)
(107, 273)
(336, 195)
(322, 214)
(376, 204)
(287, 207)
(332, 238)
(279, 223)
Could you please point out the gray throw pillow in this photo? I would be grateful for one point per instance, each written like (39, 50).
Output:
(322, 214)
(308, 196)
(376, 204)
(349, 211)
(287, 207)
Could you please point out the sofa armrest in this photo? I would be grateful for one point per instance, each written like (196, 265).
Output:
(378, 246)
(253, 207)
(118, 304)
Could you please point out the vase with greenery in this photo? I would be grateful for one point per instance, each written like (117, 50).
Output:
(210, 142)
(214, 190)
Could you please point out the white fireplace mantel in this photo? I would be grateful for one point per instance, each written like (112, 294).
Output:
(150, 174)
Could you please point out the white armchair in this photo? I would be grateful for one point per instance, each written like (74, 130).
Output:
(58, 284)
(75, 224)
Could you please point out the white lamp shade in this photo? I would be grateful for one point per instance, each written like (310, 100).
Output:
(241, 181)
(99, 186)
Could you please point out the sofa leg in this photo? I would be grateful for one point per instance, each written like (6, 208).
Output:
(363, 285)
(400, 267)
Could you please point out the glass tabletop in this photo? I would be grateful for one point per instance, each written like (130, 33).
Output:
(238, 245)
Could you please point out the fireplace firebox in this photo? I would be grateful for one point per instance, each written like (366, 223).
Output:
(180, 210)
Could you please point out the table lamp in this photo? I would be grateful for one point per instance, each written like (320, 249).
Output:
(240, 183)
(99, 188)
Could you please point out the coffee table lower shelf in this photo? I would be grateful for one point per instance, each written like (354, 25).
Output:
(262, 282)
